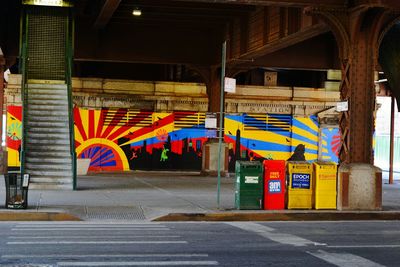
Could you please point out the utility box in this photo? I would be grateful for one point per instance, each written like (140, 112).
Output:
(300, 185)
(274, 184)
(249, 185)
(325, 184)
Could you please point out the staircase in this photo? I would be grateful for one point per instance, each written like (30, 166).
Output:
(47, 145)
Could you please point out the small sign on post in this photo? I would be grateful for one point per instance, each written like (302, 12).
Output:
(25, 180)
(211, 121)
(230, 85)
(342, 106)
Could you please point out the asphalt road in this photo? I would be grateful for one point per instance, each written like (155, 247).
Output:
(363, 243)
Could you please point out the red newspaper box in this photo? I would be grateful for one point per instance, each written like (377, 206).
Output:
(274, 184)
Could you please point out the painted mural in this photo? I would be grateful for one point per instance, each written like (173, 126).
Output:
(14, 135)
(122, 139)
(128, 140)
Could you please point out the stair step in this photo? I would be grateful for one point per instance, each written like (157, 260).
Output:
(33, 130)
(54, 179)
(51, 103)
(39, 142)
(47, 167)
(47, 97)
(47, 154)
(47, 118)
(47, 160)
(46, 135)
(46, 86)
(51, 186)
(40, 107)
(50, 173)
(47, 148)
(55, 113)
(46, 124)
(47, 90)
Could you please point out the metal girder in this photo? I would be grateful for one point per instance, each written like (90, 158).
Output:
(282, 43)
(287, 3)
(106, 12)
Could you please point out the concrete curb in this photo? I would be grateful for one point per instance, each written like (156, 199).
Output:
(292, 216)
(37, 216)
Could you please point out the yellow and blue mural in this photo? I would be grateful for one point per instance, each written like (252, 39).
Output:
(122, 139)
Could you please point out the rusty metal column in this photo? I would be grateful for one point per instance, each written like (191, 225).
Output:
(391, 155)
(356, 32)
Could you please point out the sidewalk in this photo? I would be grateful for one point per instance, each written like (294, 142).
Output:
(164, 196)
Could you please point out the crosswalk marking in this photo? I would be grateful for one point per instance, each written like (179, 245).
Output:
(89, 226)
(59, 256)
(271, 234)
(344, 259)
(90, 229)
(93, 237)
(139, 263)
(365, 246)
(102, 235)
(91, 242)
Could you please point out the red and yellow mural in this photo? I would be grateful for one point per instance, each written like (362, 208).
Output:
(122, 139)
(14, 135)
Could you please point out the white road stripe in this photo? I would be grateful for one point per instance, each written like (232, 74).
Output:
(23, 256)
(92, 242)
(365, 246)
(91, 226)
(139, 263)
(93, 237)
(89, 229)
(271, 234)
(344, 259)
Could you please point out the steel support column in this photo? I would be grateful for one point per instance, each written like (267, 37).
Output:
(357, 33)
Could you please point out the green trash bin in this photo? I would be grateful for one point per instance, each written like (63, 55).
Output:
(249, 185)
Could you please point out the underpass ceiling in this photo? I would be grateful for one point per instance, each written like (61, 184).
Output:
(183, 32)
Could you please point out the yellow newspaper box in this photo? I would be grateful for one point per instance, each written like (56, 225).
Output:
(300, 185)
(325, 184)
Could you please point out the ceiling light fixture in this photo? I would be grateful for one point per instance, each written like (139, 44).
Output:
(137, 12)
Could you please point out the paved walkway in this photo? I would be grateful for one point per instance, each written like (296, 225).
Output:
(150, 195)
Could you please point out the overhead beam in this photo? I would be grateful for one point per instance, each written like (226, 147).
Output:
(283, 3)
(392, 4)
(106, 11)
(282, 43)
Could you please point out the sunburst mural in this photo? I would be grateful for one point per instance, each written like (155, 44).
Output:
(14, 134)
(122, 139)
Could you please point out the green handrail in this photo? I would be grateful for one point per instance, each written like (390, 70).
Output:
(69, 56)
(24, 91)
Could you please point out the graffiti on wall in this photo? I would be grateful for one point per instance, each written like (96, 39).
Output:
(122, 139)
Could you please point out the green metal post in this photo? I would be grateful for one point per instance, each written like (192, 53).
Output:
(24, 91)
(221, 120)
(69, 56)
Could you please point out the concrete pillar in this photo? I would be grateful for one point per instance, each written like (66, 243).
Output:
(359, 187)
(210, 158)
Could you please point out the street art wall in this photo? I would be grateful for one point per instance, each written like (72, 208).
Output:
(122, 139)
